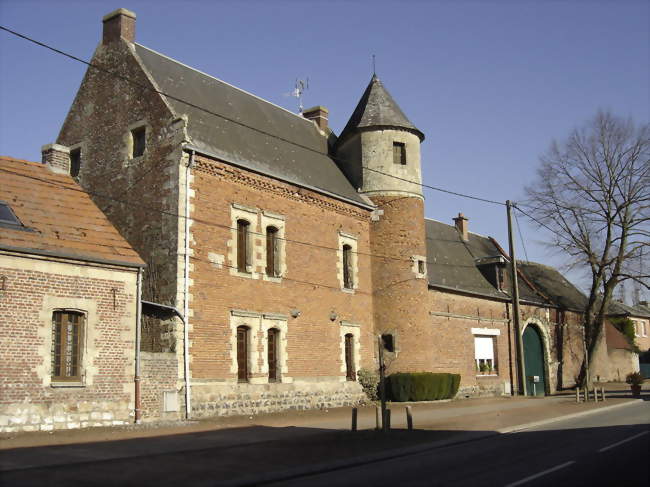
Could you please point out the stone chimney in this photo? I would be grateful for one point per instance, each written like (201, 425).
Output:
(317, 114)
(119, 24)
(56, 157)
(461, 225)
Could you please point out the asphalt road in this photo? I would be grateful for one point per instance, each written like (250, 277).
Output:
(611, 448)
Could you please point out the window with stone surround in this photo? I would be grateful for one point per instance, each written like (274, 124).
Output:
(67, 340)
(273, 346)
(272, 252)
(243, 333)
(348, 262)
(350, 369)
(243, 246)
(399, 153)
(348, 271)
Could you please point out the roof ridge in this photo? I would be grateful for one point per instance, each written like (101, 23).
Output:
(23, 161)
(452, 226)
(225, 83)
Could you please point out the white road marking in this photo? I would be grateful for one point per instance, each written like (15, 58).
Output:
(614, 445)
(540, 474)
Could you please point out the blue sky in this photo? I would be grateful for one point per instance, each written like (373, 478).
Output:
(490, 83)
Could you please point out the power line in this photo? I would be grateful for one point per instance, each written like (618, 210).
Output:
(231, 120)
(212, 223)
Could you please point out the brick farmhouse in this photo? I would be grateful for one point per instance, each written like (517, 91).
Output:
(68, 301)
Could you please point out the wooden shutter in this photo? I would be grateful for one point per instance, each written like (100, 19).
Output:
(349, 357)
(273, 354)
(242, 354)
(271, 251)
(242, 245)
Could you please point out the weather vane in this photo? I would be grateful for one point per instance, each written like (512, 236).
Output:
(298, 90)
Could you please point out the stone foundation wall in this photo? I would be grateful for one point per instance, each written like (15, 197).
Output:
(69, 415)
(240, 399)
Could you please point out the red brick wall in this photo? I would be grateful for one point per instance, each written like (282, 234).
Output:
(310, 284)
(22, 307)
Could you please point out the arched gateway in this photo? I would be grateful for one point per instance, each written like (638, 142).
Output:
(535, 369)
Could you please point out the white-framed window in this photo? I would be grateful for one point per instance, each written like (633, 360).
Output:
(419, 266)
(348, 262)
(485, 350)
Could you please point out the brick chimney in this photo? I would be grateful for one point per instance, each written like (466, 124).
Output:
(461, 225)
(56, 157)
(317, 114)
(119, 24)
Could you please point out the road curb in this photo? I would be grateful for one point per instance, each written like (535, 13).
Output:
(401, 452)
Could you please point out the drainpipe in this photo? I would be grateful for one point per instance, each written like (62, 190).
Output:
(138, 338)
(186, 286)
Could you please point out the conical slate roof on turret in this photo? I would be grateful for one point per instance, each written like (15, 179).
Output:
(378, 109)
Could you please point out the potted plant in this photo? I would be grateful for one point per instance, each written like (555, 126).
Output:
(485, 368)
(635, 379)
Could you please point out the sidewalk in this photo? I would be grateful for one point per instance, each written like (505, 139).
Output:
(248, 450)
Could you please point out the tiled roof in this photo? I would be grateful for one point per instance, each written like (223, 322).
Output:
(58, 217)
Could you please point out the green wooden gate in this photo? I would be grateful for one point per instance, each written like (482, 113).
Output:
(534, 362)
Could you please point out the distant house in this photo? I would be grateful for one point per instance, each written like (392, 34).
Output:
(68, 301)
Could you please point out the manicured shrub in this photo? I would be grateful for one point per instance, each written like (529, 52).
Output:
(421, 386)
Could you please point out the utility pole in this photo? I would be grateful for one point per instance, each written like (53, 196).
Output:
(382, 383)
(515, 304)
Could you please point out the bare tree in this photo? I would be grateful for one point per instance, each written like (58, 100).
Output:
(593, 192)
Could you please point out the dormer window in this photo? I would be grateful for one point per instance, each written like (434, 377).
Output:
(138, 139)
(399, 153)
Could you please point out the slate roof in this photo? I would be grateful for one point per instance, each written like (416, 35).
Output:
(618, 308)
(451, 261)
(554, 285)
(452, 265)
(376, 108)
(58, 218)
(280, 144)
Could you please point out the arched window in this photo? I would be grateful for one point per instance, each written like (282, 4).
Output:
(350, 372)
(273, 347)
(67, 339)
(242, 353)
(272, 252)
(243, 257)
(348, 277)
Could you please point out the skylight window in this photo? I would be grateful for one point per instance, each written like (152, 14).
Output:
(7, 216)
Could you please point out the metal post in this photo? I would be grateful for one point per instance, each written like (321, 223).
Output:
(354, 419)
(409, 418)
(382, 384)
(602, 390)
(577, 394)
(515, 303)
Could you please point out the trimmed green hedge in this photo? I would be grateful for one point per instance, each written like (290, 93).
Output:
(421, 386)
